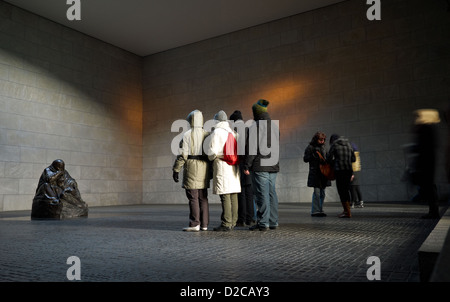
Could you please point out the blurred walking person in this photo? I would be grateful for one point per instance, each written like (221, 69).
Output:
(424, 165)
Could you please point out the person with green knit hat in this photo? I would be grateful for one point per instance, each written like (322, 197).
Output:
(262, 166)
(259, 108)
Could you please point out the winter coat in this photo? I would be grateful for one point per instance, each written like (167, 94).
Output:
(341, 155)
(447, 160)
(196, 166)
(226, 178)
(254, 161)
(422, 154)
(246, 180)
(315, 178)
(425, 163)
(356, 165)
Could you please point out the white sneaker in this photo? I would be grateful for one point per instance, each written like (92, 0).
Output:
(204, 228)
(360, 205)
(192, 229)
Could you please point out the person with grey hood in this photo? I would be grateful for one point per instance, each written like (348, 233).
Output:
(226, 179)
(196, 176)
(341, 156)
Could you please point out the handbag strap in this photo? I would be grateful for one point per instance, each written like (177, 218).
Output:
(320, 155)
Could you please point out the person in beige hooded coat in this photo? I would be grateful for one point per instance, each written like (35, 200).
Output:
(226, 179)
(196, 176)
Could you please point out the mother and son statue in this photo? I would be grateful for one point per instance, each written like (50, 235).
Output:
(57, 195)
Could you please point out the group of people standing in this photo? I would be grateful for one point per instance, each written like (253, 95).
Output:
(345, 161)
(247, 189)
(238, 185)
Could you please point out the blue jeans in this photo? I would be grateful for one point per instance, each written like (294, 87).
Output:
(318, 197)
(266, 198)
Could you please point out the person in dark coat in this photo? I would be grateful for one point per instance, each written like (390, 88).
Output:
(316, 179)
(447, 157)
(425, 164)
(245, 198)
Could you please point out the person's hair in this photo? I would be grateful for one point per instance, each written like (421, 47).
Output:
(333, 138)
(317, 136)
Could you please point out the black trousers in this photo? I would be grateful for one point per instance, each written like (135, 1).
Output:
(245, 204)
(343, 178)
(428, 192)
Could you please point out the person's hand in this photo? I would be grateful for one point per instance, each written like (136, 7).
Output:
(246, 172)
(175, 176)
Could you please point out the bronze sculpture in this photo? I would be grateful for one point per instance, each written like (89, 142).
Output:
(57, 195)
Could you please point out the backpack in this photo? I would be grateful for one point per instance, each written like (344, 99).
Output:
(230, 155)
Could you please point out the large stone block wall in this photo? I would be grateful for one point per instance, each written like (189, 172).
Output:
(330, 69)
(108, 113)
(66, 95)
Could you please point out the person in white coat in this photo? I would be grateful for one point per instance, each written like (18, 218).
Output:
(226, 178)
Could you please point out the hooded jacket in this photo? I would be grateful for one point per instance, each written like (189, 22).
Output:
(191, 156)
(226, 178)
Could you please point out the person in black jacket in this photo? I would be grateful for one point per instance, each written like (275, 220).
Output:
(341, 156)
(245, 198)
(424, 167)
(316, 179)
(263, 162)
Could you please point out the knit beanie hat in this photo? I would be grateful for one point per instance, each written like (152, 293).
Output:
(220, 116)
(259, 107)
(237, 115)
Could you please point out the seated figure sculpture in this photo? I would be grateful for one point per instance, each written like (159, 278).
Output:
(57, 195)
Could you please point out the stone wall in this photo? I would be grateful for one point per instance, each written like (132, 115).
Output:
(330, 69)
(108, 113)
(69, 96)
